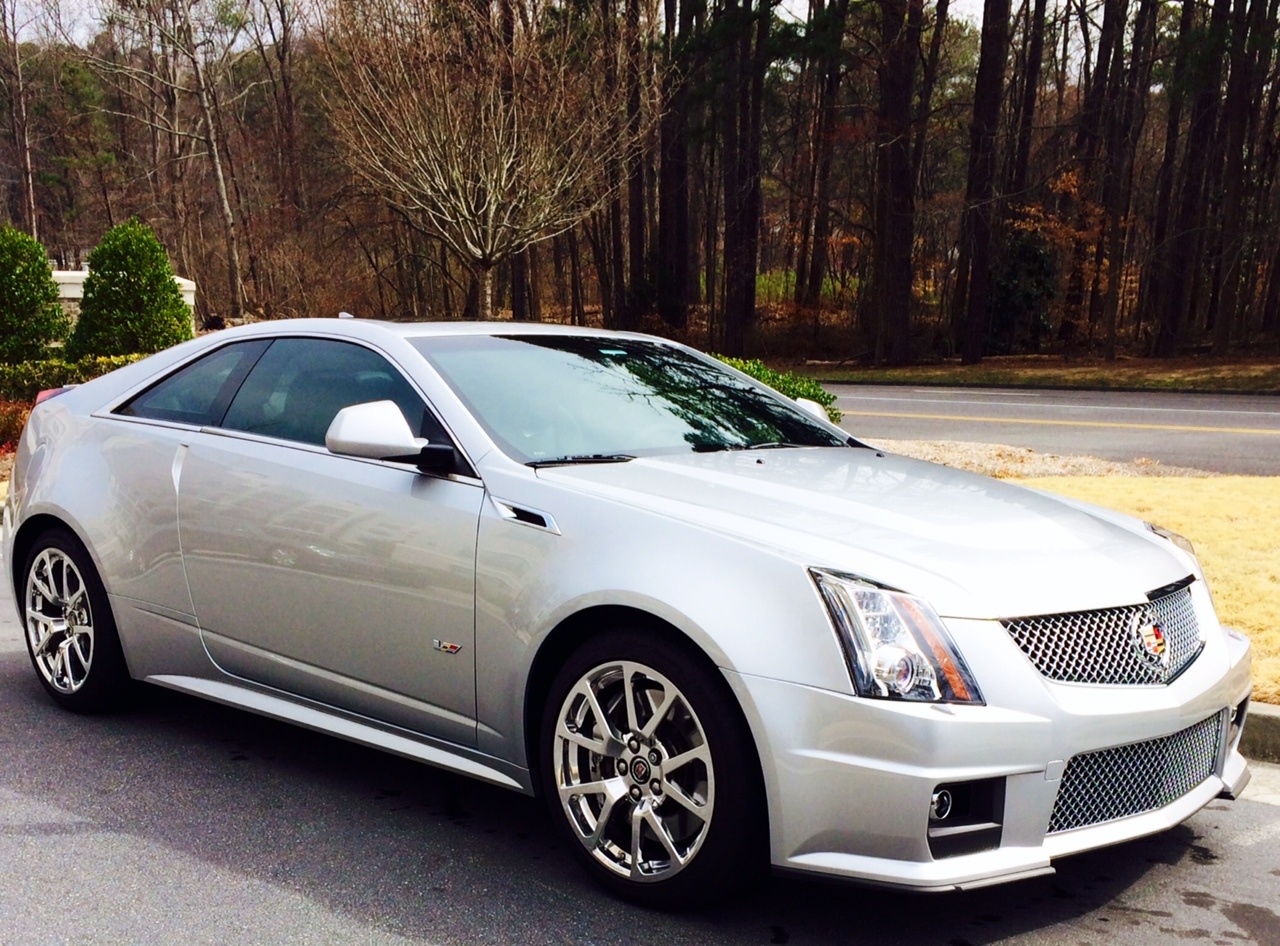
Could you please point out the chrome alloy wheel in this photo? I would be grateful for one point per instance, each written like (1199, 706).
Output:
(59, 621)
(633, 771)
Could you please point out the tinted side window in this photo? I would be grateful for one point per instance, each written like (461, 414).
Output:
(198, 393)
(300, 384)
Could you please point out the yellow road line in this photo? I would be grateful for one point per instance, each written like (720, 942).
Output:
(1068, 423)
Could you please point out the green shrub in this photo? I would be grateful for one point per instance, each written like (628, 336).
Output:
(23, 382)
(131, 303)
(30, 316)
(792, 385)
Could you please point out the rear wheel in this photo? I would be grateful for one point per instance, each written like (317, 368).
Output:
(649, 769)
(71, 636)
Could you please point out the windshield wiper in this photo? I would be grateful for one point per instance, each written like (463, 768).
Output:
(576, 458)
(719, 447)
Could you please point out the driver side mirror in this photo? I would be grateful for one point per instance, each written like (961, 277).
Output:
(378, 431)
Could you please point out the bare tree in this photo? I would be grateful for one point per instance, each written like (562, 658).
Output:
(12, 63)
(173, 54)
(490, 139)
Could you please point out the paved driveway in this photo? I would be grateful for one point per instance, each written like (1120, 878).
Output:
(182, 822)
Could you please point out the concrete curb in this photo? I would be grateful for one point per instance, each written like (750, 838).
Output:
(1261, 738)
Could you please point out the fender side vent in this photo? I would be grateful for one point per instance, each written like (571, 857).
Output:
(525, 516)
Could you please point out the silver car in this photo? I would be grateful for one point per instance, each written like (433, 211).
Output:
(714, 631)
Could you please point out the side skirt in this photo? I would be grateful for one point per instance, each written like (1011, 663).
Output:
(440, 754)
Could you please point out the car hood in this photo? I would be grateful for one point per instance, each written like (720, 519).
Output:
(972, 546)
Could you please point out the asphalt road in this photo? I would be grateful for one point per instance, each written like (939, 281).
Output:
(1221, 433)
(182, 822)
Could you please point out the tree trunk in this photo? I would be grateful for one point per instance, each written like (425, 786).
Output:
(926, 91)
(900, 26)
(980, 211)
(1157, 275)
(1205, 77)
(18, 115)
(1246, 22)
(1027, 110)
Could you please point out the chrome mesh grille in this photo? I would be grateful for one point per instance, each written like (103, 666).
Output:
(1106, 646)
(1128, 780)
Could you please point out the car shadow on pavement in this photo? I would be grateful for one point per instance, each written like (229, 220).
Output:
(390, 846)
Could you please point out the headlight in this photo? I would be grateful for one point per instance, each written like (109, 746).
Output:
(1181, 541)
(895, 645)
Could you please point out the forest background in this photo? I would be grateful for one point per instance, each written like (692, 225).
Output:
(874, 180)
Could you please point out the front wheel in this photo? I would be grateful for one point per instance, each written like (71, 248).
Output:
(70, 632)
(649, 768)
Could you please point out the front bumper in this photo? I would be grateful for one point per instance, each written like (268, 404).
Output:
(851, 781)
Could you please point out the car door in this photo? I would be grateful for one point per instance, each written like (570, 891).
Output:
(346, 581)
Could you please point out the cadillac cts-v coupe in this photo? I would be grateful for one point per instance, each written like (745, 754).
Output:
(710, 628)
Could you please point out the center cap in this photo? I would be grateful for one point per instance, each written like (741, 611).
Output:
(640, 770)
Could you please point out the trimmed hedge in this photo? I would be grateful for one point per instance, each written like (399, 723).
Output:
(131, 303)
(23, 382)
(786, 382)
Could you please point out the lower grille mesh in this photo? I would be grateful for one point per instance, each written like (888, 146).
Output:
(1128, 780)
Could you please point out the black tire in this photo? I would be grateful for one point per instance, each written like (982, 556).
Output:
(68, 626)
(681, 858)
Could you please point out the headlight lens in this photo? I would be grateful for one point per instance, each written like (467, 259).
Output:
(896, 646)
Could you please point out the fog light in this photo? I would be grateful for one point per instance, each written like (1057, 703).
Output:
(940, 805)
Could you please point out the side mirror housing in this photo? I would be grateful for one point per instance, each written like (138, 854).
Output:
(378, 431)
(812, 407)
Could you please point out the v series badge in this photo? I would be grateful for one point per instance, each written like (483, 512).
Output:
(446, 647)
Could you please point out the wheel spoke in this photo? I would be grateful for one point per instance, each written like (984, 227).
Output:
(40, 584)
(659, 714)
(697, 753)
(660, 830)
(637, 822)
(77, 644)
(603, 723)
(598, 746)
(60, 668)
(42, 648)
(73, 601)
(629, 673)
(678, 795)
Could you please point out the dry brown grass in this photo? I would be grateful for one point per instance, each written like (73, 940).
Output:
(1234, 522)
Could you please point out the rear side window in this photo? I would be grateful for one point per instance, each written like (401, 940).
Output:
(198, 393)
(297, 388)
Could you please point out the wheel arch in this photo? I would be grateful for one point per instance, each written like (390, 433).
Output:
(26, 537)
(576, 629)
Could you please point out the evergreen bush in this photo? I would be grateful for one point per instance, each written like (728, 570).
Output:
(30, 316)
(131, 303)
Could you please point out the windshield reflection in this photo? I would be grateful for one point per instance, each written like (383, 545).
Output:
(574, 397)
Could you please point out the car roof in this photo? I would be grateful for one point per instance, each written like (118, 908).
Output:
(370, 328)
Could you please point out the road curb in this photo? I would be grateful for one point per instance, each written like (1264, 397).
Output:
(1261, 738)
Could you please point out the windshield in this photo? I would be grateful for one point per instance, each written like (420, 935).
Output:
(544, 398)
